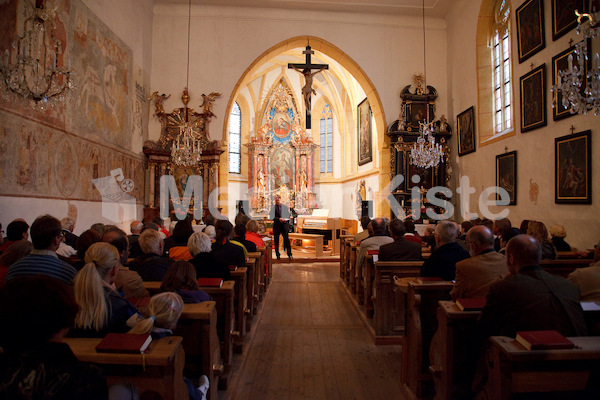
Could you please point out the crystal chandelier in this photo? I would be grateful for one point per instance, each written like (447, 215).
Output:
(33, 70)
(572, 80)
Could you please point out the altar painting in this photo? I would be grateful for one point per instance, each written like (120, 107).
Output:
(282, 168)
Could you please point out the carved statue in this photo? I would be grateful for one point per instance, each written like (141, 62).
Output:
(303, 180)
(307, 90)
(158, 102)
(261, 180)
(207, 102)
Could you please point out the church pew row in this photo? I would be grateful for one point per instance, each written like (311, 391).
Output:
(224, 299)
(159, 370)
(254, 267)
(240, 306)
(564, 267)
(261, 269)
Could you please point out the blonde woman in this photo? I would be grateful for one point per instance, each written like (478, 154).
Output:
(558, 233)
(165, 310)
(102, 308)
(539, 231)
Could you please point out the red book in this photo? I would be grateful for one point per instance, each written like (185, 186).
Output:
(213, 282)
(372, 252)
(471, 304)
(124, 343)
(543, 340)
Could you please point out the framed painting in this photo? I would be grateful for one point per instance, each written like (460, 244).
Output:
(560, 62)
(533, 99)
(418, 176)
(530, 28)
(365, 148)
(506, 175)
(573, 168)
(563, 16)
(465, 128)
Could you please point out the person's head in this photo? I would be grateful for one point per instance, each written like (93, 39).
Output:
(277, 199)
(151, 242)
(102, 262)
(210, 231)
(240, 231)
(488, 223)
(558, 231)
(252, 226)
(198, 243)
(35, 310)
(208, 219)
(17, 230)
(409, 225)
(379, 226)
(98, 227)
(181, 275)
(136, 227)
(507, 235)
(164, 309)
(158, 221)
(465, 226)
(241, 219)
(182, 231)
(500, 225)
(85, 240)
(115, 236)
(149, 225)
(224, 230)
(364, 221)
(522, 251)
(524, 226)
(370, 228)
(15, 252)
(68, 224)
(397, 228)
(429, 230)
(537, 230)
(479, 239)
(445, 232)
(46, 233)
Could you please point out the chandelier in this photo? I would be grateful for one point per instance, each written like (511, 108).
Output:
(33, 70)
(425, 152)
(572, 80)
(186, 149)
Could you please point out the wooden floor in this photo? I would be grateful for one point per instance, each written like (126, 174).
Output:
(309, 343)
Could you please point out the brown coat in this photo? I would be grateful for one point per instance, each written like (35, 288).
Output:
(475, 275)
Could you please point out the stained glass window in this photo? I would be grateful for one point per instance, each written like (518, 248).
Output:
(326, 143)
(235, 140)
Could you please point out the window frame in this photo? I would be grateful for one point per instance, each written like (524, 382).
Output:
(236, 107)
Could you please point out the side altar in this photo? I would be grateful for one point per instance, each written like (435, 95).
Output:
(281, 158)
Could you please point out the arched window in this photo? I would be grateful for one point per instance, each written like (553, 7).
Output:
(501, 64)
(326, 131)
(235, 140)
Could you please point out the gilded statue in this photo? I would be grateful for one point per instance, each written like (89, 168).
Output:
(158, 102)
(207, 102)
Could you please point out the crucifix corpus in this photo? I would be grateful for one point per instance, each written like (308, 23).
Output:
(306, 69)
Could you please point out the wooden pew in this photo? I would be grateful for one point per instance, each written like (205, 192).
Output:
(347, 249)
(159, 369)
(198, 328)
(343, 256)
(261, 268)
(253, 263)
(352, 268)
(421, 324)
(513, 369)
(240, 276)
(564, 267)
(269, 263)
(388, 302)
(318, 239)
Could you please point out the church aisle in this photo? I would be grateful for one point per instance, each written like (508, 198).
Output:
(309, 343)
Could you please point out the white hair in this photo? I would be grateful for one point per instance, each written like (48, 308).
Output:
(150, 241)
(67, 223)
(198, 243)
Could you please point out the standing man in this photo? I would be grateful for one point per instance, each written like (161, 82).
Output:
(280, 214)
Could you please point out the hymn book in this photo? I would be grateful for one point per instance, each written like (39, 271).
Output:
(212, 282)
(124, 343)
(471, 304)
(543, 340)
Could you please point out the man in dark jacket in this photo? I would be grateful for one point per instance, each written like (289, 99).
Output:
(280, 215)
(151, 265)
(442, 262)
(400, 249)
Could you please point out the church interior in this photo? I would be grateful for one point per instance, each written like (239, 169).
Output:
(321, 103)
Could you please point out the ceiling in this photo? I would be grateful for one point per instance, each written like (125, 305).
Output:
(434, 8)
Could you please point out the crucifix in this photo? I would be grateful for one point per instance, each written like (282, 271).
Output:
(306, 69)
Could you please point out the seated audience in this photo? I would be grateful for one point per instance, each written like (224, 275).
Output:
(223, 249)
(500, 225)
(64, 251)
(411, 233)
(15, 231)
(181, 278)
(151, 265)
(524, 226)
(165, 310)
(505, 238)
(429, 236)
(464, 228)
(442, 262)
(241, 219)
(588, 279)
(401, 248)
(210, 232)
(539, 232)
(129, 282)
(206, 265)
(209, 220)
(252, 234)
(46, 236)
(374, 242)
(35, 362)
(176, 244)
(68, 225)
(476, 274)
(134, 247)
(102, 308)
(240, 237)
(558, 234)
(98, 227)
(13, 254)
(364, 223)
(85, 240)
(161, 226)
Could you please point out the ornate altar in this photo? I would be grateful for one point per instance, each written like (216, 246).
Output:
(417, 107)
(159, 153)
(280, 157)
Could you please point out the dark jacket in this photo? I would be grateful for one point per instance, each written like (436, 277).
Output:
(207, 266)
(151, 267)
(229, 254)
(442, 262)
(400, 249)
